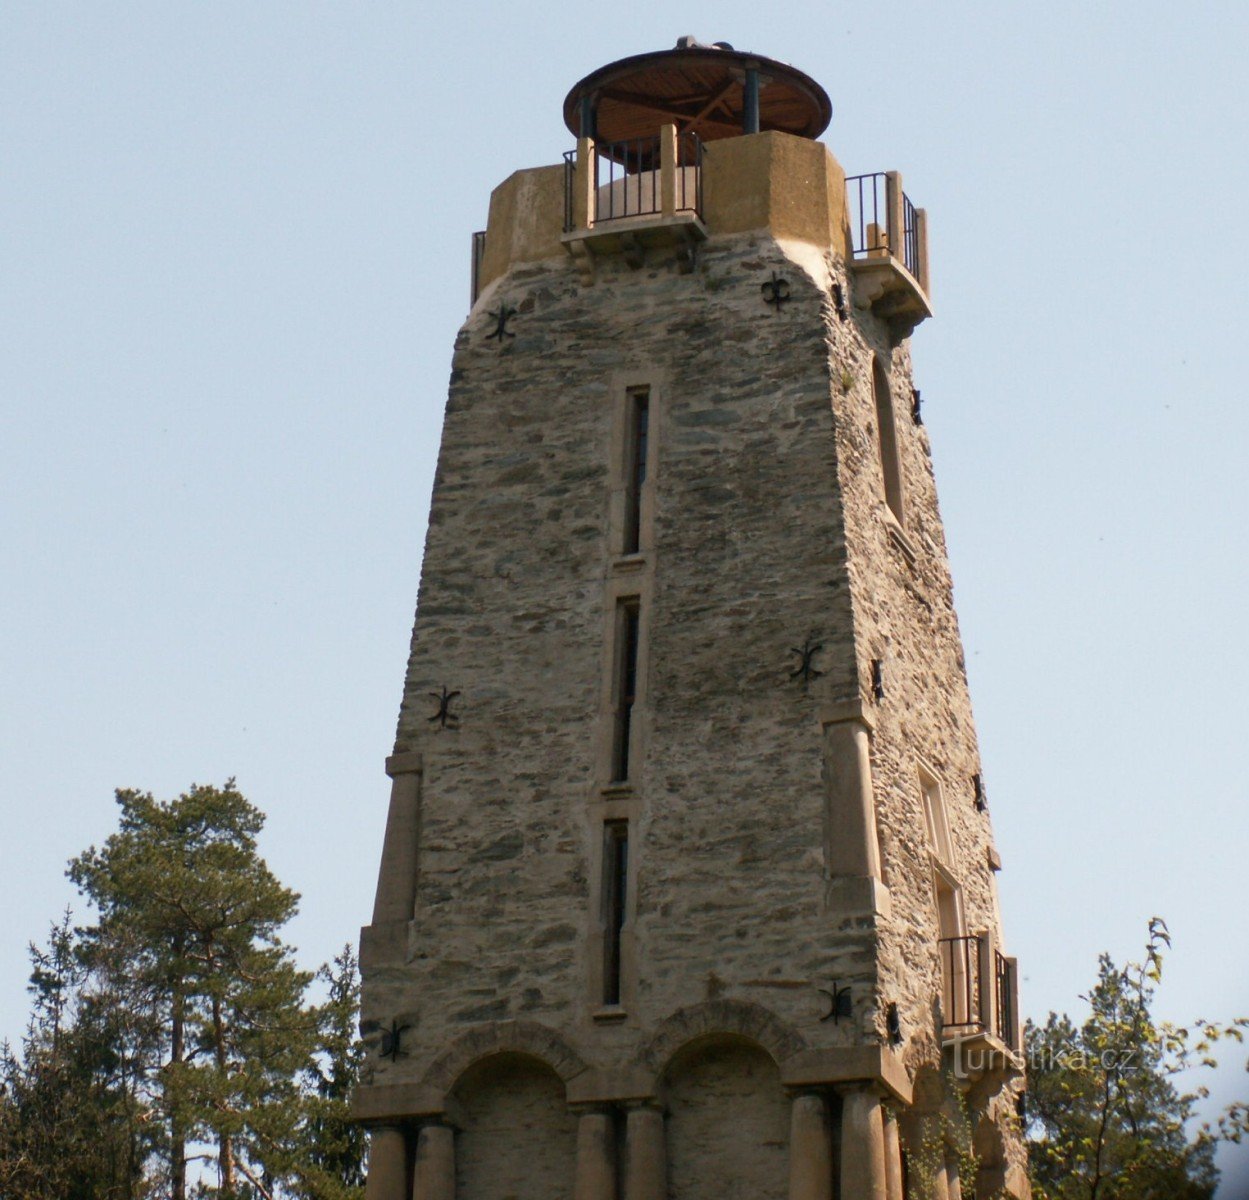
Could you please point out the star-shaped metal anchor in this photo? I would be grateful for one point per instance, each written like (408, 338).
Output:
(501, 316)
(391, 1048)
(806, 655)
(775, 291)
(444, 716)
(839, 1003)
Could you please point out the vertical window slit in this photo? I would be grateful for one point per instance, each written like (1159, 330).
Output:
(615, 891)
(626, 685)
(636, 449)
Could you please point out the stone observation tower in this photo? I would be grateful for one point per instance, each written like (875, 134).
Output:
(687, 887)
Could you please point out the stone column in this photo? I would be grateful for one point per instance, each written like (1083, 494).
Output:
(810, 1148)
(668, 168)
(584, 191)
(896, 218)
(851, 846)
(434, 1177)
(646, 1159)
(396, 880)
(921, 239)
(862, 1146)
(893, 1157)
(596, 1157)
(953, 1185)
(388, 1164)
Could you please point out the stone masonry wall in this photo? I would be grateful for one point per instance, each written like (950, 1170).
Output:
(770, 529)
(904, 615)
(749, 563)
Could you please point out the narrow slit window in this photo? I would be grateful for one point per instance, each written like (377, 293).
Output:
(627, 622)
(637, 445)
(887, 436)
(615, 895)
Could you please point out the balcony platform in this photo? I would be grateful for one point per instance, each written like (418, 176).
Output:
(884, 285)
(975, 1053)
(632, 237)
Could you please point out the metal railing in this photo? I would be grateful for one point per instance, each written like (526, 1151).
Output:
(910, 237)
(628, 180)
(872, 220)
(479, 254)
(960, 983)
(1004, 980)
(964, 998)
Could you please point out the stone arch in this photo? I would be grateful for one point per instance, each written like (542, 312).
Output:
(720, 1019)
(525, 1038)
(515, 1136)
(727, 1120)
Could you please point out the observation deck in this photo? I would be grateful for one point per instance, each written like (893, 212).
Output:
(681, 145)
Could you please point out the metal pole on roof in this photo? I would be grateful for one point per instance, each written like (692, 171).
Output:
(750, 101)
(587, 116)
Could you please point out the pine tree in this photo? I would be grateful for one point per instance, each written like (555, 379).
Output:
(333, 1147)
(72, 1110)
(189, 925)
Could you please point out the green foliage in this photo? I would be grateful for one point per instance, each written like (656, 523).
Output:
(176, 1029)
(72, 1116)
(1107, 1119)
(333, 1166)
(946, 1140)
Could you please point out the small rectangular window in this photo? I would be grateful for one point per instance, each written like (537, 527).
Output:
(626, 682)
(637, 447)
(936, 820)
(615, 895)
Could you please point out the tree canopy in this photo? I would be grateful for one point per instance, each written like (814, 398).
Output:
(182, 1012)
(1111, 1109)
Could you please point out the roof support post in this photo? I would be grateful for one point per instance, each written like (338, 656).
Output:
(588, 116)
(584, 182)
(750, 100)
(668, 170)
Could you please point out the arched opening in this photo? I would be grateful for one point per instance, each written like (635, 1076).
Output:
(887, 439)
(517, 1139)
(728, 1123)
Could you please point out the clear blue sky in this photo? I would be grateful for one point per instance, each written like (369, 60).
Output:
(235, 252)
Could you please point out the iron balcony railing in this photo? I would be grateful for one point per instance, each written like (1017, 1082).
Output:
(1004, 980)
(874, 213)
(965, 995)
(960, 984)
(628, 179)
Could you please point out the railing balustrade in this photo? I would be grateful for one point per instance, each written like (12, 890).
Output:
(966, 996)
(873, 218)
(628, 179)
(960, 983)
(1004, 979)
